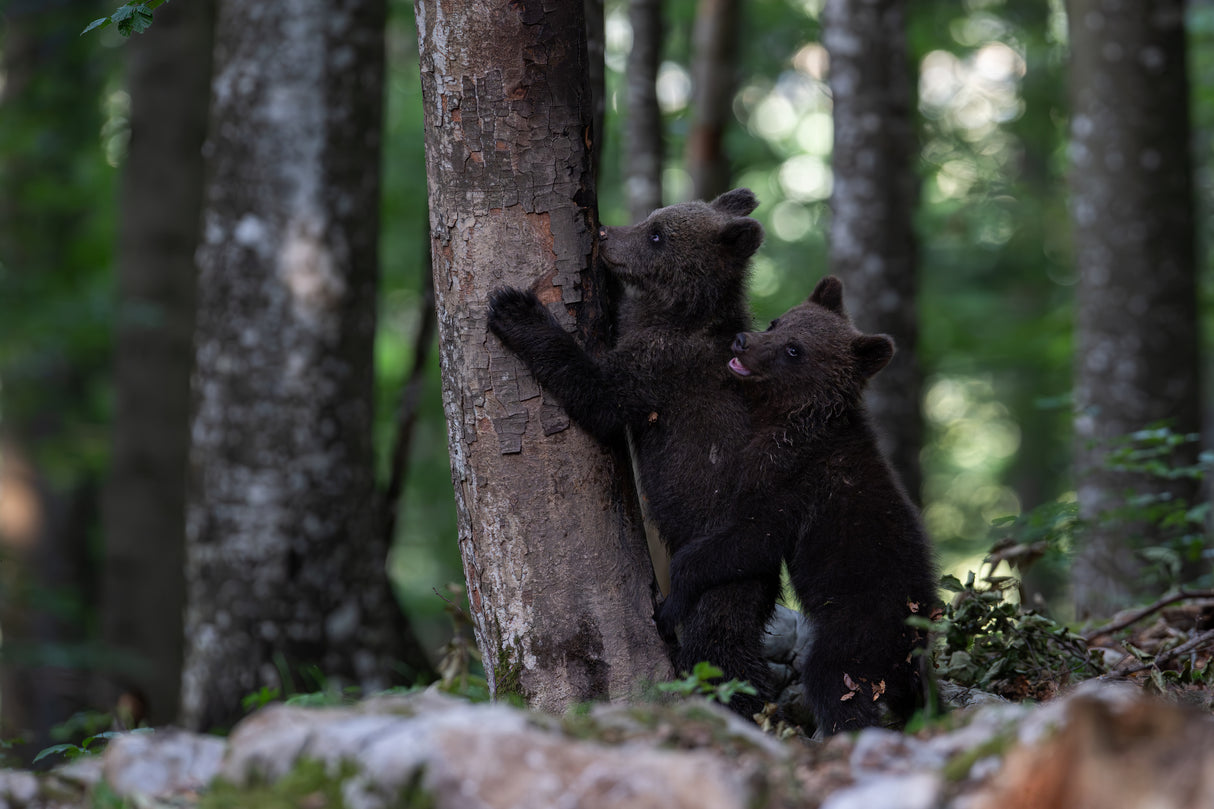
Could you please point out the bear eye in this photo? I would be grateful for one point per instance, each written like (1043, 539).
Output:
(792, 351)
(655, 237)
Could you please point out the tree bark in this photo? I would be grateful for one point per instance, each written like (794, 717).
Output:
(643, 133)
(872, 239)
(285, 565)
(559, 582)
(1137, 330)
(168, 80)
(713, 78)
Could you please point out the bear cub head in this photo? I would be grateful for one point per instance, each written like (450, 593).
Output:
(690, 258)
(811, 359)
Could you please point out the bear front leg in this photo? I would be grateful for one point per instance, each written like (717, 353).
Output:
(594, 396)
(738, 551)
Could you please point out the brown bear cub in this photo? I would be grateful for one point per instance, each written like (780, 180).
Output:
(815, 491)
(666, 382)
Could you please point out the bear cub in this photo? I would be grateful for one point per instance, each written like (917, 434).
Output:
(816, 492)
(667, 385)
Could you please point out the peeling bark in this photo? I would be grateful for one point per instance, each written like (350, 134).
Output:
(872, 239)
(558, 578)
(284, 562)
(1137, 330)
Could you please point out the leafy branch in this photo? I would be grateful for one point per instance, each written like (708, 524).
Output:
(133, 17)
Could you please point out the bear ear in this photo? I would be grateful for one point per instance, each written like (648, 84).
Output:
(742, 236)
(828, 294)
(739, 202)
(873, 352)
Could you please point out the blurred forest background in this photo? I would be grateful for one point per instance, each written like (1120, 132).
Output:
(997, 272)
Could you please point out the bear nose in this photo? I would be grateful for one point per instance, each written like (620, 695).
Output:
(739, 342)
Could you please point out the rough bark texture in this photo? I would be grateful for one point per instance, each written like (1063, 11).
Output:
(872, 240)
(1137, 333)
(168, 80)
(713, 76)
(284, 564)
(558, 578)
(643, 133)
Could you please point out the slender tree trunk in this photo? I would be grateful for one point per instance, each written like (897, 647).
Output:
(643, 135)
(558, 580)
(713, 77)
(596, 47)
(872, 239)
(168, 80)
(1137, 331)
(51, 248)
(285, 565)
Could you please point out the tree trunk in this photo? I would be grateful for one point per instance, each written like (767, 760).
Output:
(558, 578)
(872, 239)
(285, 565)
(596, 47)
(168, 80)
(713, 76)
(53, 249)
(643, 135)
(1137, 331)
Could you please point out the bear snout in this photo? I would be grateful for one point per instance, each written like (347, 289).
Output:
(739, 342)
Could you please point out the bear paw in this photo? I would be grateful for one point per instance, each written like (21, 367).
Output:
(668, 616)
(514, 312)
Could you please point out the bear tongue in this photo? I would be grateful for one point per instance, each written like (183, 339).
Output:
(738, 368)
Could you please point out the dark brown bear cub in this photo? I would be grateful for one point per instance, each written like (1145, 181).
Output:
(667, 383)
(815, 491)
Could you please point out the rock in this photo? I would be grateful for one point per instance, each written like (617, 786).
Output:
(17, 789)
(477, 756)
(1102, 745)
(1105, 748)
(162, 763)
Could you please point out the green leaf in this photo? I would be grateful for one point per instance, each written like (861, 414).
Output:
(100, 22)
(66, 749)
(132, 19)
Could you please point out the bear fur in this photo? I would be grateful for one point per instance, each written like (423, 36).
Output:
(666, 384)
(815, 492)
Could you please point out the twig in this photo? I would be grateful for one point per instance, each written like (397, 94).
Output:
(1138, 615)
(1188, 646)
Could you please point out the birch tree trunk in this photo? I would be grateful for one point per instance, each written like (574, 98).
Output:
(560, 587)
(168, 80)
(872, 239)
(1137, 331)
(285, 568)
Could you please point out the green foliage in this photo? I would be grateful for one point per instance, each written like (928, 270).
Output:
(88, 746)
(131, 18)
(704, 680)
(988, 642)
